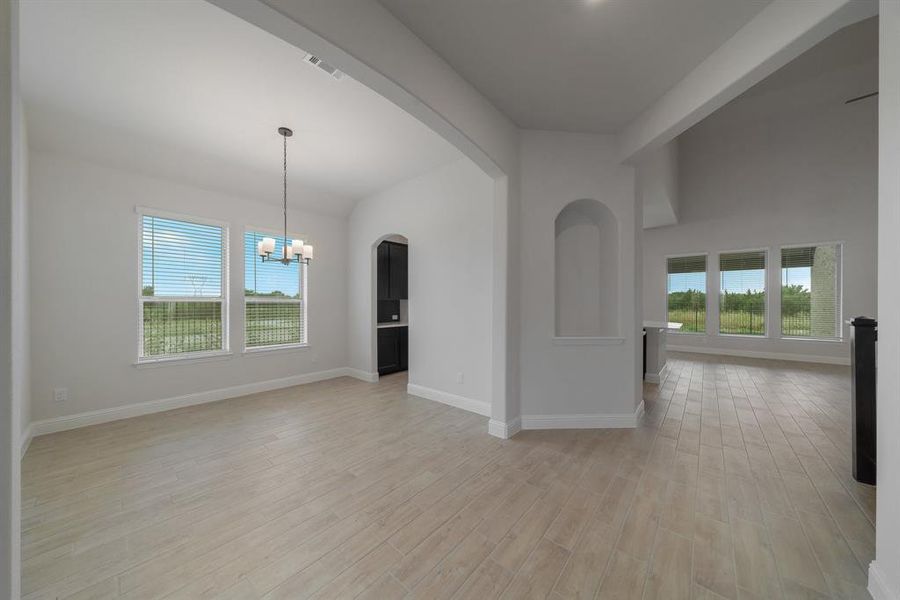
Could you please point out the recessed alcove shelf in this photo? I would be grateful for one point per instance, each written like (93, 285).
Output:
(587, 275)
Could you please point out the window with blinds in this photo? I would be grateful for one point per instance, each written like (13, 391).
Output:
(686, 292)
(742, 293)
(183, 299)
(274, 298)
(811, 291)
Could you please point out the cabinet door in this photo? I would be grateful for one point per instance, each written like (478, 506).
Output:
(404, 348)
(387, 310)
(401, 262)
(384, 270)
(388, 350)
(398, 271)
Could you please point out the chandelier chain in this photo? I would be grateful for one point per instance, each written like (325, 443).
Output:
(297, 251)
(284, 202)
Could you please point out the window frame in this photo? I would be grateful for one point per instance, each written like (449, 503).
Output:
(223, 298)
(303, 301)
(666, 258)
(766, 298)
(840, 305)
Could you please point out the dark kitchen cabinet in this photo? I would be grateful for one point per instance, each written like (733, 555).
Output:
(388, 311)
(404, 348)
(384, 271)
(393, 349)
(393, 342)
(392, 261)
(398, 288)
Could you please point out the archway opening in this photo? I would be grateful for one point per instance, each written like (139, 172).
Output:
(390, 304)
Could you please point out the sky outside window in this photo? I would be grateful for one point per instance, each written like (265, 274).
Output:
(180, 258)
(682, 282)
(268, 278)
(738, 282)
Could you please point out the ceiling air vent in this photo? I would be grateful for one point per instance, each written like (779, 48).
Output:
(318, 62)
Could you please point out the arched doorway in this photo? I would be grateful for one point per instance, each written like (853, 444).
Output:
(421, 85)
(390, 300)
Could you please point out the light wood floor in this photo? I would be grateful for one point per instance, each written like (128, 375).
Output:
(737, 485)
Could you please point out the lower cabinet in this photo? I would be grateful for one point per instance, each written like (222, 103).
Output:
(404, 348)
(393, 349)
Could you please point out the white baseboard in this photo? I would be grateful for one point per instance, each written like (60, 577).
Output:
(476, 406)
(808, 358)
(657, 377)
(362, 375)
(95, 417)
(589, 421)
(878, 586)
(504, 430)
(27, 436)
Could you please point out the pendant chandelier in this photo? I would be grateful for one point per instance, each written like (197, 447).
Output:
(296, 250)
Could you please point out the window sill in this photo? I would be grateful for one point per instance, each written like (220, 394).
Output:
(811, 339)
(680, 332)
(749, 336)
(588, 341)
(199, 357)
(279, 348)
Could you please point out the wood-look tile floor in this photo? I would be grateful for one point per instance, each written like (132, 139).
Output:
(737, 485)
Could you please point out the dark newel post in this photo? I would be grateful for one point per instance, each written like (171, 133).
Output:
(863, 335)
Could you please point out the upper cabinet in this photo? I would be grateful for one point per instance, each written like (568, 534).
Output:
(384, 270)
(392, 271)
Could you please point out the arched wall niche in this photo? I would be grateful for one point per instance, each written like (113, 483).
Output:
(587, 271)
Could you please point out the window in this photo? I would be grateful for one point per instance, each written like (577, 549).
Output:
(811, 291)
(742, 293)
(274, 297)
(183, 299)
(686, 292)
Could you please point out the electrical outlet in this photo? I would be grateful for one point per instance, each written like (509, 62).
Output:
(60, 394)
(460, 377)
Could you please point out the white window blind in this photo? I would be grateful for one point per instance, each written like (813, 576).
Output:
(811, 291)
(686, 292)
(742, 293)
(274, 297)
(182, 298)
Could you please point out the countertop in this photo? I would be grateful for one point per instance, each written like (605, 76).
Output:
(392, 324)
(662, 325)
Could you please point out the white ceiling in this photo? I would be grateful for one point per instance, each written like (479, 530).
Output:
(577, 65)
(188, 91)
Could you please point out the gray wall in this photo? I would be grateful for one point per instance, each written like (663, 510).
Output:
(445, 215)
(595, 383)
(7, 455)
(84, 335)
(787, 163)
(14, 363)
(884, 577)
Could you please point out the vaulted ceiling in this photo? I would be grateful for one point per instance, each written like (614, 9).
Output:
(187, 91)
(576, 65)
